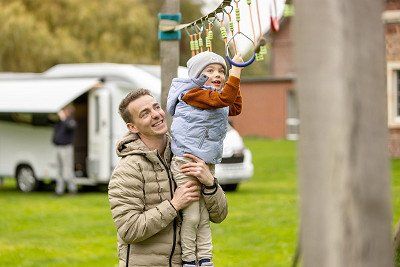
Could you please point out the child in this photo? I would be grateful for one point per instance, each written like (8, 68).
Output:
(200, 107)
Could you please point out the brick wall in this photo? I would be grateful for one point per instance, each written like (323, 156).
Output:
(392, 33)
(392, 37)
(282, 63)
(392, 4)
(264, 108)
(394, 143)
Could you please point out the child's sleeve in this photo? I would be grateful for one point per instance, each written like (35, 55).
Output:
(207, 99)
(236, 108)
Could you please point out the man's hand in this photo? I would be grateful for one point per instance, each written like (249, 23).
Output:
(61, 115)
(235, 71)
(199, 169)
(185, 194)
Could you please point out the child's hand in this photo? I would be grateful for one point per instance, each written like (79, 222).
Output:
(235, 71)
(199, 169)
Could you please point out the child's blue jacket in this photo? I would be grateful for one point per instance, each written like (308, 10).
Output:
(199, 132)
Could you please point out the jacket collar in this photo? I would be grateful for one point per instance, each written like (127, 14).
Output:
(131, 144)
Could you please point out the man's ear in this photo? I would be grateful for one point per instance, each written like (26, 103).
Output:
(131, 127)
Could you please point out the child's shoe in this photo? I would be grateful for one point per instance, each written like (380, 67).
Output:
(206, 262)
(189, 264)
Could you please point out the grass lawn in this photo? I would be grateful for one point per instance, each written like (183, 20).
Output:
(38, 229)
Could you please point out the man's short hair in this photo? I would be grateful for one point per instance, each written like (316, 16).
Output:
(123, 106)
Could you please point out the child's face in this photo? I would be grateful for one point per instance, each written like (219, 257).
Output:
(216, 76)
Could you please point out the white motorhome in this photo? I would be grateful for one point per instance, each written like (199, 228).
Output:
(27, 102)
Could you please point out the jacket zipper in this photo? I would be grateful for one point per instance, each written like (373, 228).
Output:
(172, 194)
(127, 255)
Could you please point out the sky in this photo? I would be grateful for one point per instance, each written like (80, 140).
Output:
(265, 7)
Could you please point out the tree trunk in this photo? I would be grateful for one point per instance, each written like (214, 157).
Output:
(343, 150)
(396, 244)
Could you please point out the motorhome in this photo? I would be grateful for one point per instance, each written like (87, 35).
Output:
(27, 110)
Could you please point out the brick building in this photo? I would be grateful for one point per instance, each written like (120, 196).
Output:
(391, 19)
(269, 104)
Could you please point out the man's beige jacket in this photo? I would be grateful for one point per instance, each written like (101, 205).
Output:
(140, 190)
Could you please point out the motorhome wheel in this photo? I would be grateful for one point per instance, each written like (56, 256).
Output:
(26, 179)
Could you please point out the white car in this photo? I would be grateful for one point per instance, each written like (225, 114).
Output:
(236, 165)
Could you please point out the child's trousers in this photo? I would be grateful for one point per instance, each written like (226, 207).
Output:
(195, 230)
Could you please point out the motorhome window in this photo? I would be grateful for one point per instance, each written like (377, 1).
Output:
(22, 117)
(37, 119)
(398, 93)
(41, 119)
(97, 113)
(17, 117)
(6, 117)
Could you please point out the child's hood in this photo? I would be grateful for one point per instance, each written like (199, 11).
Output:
(179, 87)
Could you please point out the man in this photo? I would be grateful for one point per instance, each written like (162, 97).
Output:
(144, 199)
(63, 138)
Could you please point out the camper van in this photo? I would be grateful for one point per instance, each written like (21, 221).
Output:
(28, 105)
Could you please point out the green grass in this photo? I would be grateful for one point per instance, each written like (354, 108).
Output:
(39, 229)
(396, 199)
(261, 228)
(396, 190)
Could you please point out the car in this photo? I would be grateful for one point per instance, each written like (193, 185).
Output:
(236, 165)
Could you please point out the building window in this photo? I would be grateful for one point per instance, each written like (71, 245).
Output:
(292, 120)
(97, 113)
(393, 93)
(397, 86)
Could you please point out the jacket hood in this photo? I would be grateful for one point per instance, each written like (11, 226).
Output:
(179, 87)
(131, 144)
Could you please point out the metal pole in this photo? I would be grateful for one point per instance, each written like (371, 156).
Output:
(169, 55)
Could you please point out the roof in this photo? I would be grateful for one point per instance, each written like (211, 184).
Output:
(51, 90)
(155, 70)
(41, 95)
(136, 77)
(269, 79)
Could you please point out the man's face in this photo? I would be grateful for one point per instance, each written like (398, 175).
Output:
(148, 117)
(216, 76)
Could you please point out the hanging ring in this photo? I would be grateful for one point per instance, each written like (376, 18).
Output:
(193, 28)
(225, 11)
(199, 29)
(222, 19)
(228, 58)
(187, 31)
(212, 19)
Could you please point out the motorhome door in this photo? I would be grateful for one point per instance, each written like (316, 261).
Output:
(99, 158)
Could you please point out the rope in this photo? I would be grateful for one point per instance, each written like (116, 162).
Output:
(258, 18)
(209, 35)
(200, 39)
(231, 27)
(261, 48)
(166, 28)
(237, 13)
(192, 46)
(251, 20)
